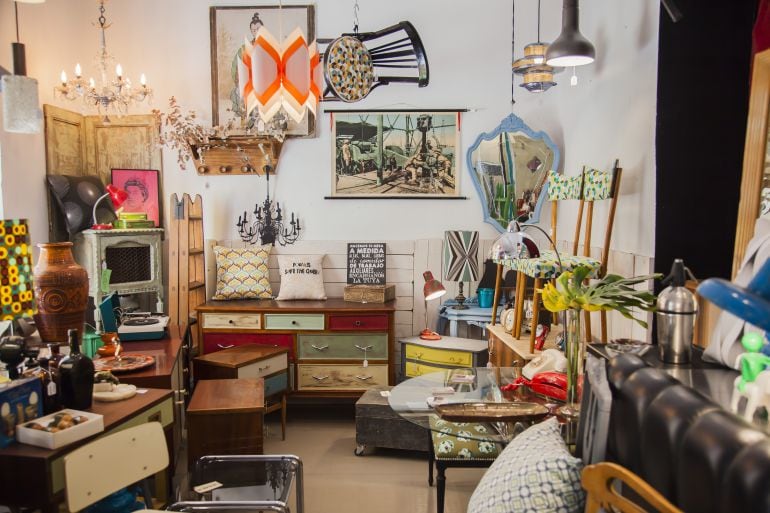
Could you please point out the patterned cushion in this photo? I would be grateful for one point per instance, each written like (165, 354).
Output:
(597, 185)
(242, 273)
(450, 444)
(562, 187)
(546, 266)
(535, 473)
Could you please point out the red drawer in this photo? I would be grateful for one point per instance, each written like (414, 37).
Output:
(358, 322)
(213, 342)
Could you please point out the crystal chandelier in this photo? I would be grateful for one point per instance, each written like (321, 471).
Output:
(109, 95)
(268, 224)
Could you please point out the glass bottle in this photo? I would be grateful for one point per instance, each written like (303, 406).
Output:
(56, 356)
(76, 373)
(51, 401)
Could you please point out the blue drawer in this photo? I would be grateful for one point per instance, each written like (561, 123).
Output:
(275, 384)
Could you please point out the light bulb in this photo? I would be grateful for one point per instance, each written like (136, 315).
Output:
(63, 77)
(119, 70)
(143, 80)
(78, 71)
(91, 83)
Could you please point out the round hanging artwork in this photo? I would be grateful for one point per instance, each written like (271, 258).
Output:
(348, 68)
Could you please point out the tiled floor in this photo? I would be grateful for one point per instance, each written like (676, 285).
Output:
(337, 481)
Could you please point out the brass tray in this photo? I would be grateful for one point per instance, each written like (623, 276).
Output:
(492, 412)
(126, 363)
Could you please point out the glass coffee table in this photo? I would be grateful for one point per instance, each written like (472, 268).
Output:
(471, 395)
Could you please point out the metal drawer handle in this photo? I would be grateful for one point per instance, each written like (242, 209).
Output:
(364, 378)
(366, 348)
(220, 346)
(358, 323)
(322, 348)
(294, 323)
(264, 368)
(320, 378)
(231, 321)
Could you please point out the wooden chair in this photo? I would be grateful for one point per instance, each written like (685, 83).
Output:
(600, 482)
(586, 188)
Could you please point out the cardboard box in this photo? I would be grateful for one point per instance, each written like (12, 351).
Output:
(370, 293)
(27, 435)
(21, 400)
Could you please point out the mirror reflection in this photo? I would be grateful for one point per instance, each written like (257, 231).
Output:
(510, 168)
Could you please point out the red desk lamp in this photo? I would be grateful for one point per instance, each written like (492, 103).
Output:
(118, 197)
(433, 289)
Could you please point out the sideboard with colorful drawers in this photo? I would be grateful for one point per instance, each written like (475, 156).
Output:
(420, 356)
(336, 348)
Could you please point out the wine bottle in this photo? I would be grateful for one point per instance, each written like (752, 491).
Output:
(76, 374)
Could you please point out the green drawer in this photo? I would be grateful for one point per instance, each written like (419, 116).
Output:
(294, 321)
(345, 347)
(275, 384)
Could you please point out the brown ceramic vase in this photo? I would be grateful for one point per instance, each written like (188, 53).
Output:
(61, 292)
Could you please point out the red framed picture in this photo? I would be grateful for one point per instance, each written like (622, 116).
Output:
(143, 188)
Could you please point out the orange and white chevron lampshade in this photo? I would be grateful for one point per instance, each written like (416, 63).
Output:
(272, 75)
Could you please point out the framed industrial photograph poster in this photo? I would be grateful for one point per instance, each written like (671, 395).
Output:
(385, 154)
(233, 28)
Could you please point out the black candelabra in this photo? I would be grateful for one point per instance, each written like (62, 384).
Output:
(268, 225)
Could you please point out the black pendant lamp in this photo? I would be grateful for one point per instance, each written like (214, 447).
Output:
(570, 48)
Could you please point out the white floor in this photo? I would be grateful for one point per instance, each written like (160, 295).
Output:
(383, 481)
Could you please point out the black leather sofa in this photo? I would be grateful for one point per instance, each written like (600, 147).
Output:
(701, 457)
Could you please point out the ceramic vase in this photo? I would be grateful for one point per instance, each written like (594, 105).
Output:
(61, 292)
(574, 350)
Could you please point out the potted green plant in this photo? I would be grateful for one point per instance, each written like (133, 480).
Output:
(572, 292)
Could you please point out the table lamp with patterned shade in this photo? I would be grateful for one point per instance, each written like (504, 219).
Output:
(461, 260)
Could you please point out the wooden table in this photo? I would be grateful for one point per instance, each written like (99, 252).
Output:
(34, 477)
(225, 417)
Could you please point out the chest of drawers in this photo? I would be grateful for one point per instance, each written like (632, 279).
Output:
(420, 357)
(334, 348)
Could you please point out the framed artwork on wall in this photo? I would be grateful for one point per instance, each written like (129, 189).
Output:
(395, 154)
(231, 28)
(143, 188)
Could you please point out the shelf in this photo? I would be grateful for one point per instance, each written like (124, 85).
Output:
(195, 251)
(195, 285)
(237, 155)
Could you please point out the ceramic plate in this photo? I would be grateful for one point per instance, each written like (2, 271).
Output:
(126, 363)
(120, 392)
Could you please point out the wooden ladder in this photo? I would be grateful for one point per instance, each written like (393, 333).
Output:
(187, 265)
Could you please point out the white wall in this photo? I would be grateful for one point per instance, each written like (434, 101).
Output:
(610, 114)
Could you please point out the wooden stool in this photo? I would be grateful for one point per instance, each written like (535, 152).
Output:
(251, 361)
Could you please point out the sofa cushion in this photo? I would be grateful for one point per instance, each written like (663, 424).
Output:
(242, 273)
(302, 277)
(535, 473)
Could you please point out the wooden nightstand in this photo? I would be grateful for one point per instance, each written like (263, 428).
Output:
(251, 361)
(420, 356)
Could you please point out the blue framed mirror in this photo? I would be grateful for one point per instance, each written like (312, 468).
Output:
(510, 166)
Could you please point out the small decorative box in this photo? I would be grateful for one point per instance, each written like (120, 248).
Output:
(53, 440)
(21, 400)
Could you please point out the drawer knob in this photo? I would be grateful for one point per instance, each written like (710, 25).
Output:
(294, 323)
(364, 348)
(358, 323)
(364, 378)
(264, 368)
(319, 348)
(231, 321)
(220, 346)
(320, 378)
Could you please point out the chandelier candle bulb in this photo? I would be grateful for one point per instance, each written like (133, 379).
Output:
(63, 77)
(78, 71)
(119, 71)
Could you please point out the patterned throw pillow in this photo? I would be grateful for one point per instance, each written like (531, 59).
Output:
(535, 473)
(302, 277)
(242, 273)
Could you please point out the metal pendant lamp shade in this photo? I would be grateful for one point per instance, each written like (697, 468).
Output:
(571, 48)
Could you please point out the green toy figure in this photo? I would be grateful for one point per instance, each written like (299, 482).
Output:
(752, 361)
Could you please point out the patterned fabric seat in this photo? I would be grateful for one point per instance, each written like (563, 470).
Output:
(458, 444)
(452, 440)
(546, 266)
